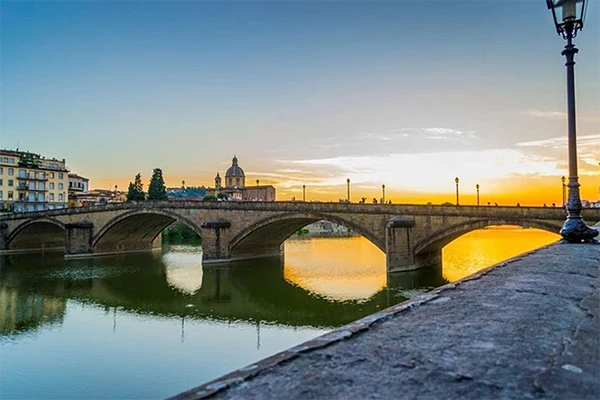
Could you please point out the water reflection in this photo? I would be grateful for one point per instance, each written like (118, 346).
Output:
(174, 284)
(482, 248)
(151, 325)
(184, 268)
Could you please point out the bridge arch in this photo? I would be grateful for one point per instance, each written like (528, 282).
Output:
(441, 238)
(136, 230)
(271, 232)
(37, 234)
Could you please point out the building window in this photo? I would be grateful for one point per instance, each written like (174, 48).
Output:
(51, 185)
(61, 197)
(60, 186)
(61, 176)
(11, 182)
(11, 171)
(10, 194)
(51, 175)
(51, 196)
(0, 194)
(1, 182)
(70, 185)
(1, 170)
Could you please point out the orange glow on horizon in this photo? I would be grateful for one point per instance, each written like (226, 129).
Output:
(531, 191)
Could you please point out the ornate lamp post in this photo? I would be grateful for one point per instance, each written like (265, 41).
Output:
(456, 180)
(564, 191)
(477, 187)
(348, 190)
(257, 183)
(303, 192)
(568, 18)
(383, 193)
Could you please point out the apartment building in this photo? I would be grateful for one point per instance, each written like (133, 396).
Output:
(31, 182)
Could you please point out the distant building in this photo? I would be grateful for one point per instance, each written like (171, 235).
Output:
(78, 189)
(236, 189)
(186, 193)
(78, 184)
(97, 197)
(31, 182)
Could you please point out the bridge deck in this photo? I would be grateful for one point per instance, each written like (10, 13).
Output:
(397, 209)
(527, 328)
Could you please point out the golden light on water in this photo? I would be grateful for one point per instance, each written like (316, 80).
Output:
(339, 269)
(483, 248)
(353, 269)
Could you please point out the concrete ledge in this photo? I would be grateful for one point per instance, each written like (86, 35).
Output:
(525, 328)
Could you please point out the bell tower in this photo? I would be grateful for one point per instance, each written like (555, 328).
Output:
(218, 182)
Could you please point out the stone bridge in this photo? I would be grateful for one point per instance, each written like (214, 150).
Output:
(410, 235)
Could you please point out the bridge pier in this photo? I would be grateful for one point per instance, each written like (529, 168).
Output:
(3, 236)
(78, 239)
(399, 244)
(214, 240)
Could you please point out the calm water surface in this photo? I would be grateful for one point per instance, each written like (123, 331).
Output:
(152, 325)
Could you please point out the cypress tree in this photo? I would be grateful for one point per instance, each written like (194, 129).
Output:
(157, 189)
(135, 191)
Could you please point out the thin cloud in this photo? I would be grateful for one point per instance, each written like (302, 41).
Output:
(546, 114)
(557, 115)
(470, 166)
(561, 142)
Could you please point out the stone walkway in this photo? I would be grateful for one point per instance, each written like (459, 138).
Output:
(526, 328)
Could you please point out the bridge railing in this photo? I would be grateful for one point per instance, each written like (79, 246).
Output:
(322, 207)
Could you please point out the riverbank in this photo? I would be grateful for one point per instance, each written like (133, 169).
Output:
(525, 328)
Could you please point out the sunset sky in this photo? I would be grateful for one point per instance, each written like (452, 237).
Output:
(409, 94)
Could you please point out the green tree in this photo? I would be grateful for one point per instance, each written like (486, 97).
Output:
(157, 189)
(210, 197)
(136, 189)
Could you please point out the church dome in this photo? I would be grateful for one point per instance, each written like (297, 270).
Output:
(235, 170)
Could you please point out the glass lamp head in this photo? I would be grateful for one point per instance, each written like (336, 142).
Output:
(568, 16)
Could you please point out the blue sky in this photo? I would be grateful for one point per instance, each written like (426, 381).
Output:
(302, 92)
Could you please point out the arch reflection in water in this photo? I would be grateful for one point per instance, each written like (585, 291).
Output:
(485, 247)
(183, 266)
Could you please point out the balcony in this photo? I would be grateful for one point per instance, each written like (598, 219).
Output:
(22, 188)
(30, 201)
(33, 178)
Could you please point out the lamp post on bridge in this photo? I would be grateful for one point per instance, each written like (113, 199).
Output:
(303, 192)
(383, 193)
(348, 190)
(257, 184)
(564, 191)
(477, 187)
(456, 180)
(568, 18)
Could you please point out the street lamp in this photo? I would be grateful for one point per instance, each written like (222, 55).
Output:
(303, 192)
(348, 190)
(257, 183)
(564, 191)
(477, 187)
(456, 180)
(383, 193)
(568, 18)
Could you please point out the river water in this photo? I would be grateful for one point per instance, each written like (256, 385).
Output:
(152, 325)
